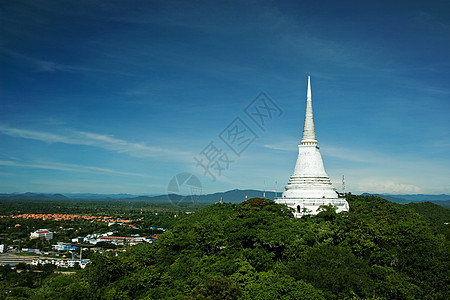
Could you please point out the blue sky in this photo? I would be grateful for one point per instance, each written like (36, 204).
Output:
(120, 96)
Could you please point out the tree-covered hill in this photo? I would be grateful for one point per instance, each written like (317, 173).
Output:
(431, 212)
(437, 215)
(257, 250)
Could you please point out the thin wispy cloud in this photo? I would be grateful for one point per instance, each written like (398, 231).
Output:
(280, 148)
(42, 65)
(133, 149)
(353, 154)
(38, 135)
(66, 168)
(391, 187)
(107, 142)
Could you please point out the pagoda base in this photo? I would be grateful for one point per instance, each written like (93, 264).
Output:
(310, 206)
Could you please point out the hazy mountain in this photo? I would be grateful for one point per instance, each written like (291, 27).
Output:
(236, 196)
(233, 196)
(421, 197)
(34, 196)
(442, 199)
(99, 196)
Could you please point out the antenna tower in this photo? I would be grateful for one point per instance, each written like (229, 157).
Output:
(264, 194)
(276, 186)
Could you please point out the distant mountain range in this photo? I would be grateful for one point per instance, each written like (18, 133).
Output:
(414, 197)
(233, 196)
(442, 199)
(87, 196)
(34, 196)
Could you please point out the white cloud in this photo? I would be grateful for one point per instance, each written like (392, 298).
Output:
(66, 167)
(388, 187)
(353, 154)
(41, 65)
(107, 142)
(281, 148)
(134, 149)
(38, 135)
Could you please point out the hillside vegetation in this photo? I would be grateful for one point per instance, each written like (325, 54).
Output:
(437, 215)
(257, 250)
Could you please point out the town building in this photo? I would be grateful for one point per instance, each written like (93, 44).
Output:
(123, 240)
(309, 186)
(42, 234)
(61, 246)
(61, 263)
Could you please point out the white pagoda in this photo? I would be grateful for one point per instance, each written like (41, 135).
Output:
(309, 186)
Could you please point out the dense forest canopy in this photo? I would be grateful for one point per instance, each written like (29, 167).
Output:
(257, 250)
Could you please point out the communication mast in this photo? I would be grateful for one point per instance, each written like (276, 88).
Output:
(276, 187)
(264, 194)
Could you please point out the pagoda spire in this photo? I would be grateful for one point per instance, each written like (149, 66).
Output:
(309, 133)
(309, 186)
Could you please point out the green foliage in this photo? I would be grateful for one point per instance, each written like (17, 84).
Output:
(431, 212)
(333, 269)
(257, 250)
(217, 288)
(436, 215)
(63, 287)
(393, 285)
(270, 285)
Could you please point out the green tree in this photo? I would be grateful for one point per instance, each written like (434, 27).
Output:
(334, 270)
(270, 285)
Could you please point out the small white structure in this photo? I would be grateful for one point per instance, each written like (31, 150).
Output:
(42, 233)
(78, 240)
(309, 186)
(61, 246)
(62, 263)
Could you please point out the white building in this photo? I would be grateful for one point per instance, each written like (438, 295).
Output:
(42, 233)
(62, 263)
(60, 246)
(78, 240)
(309, 186)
